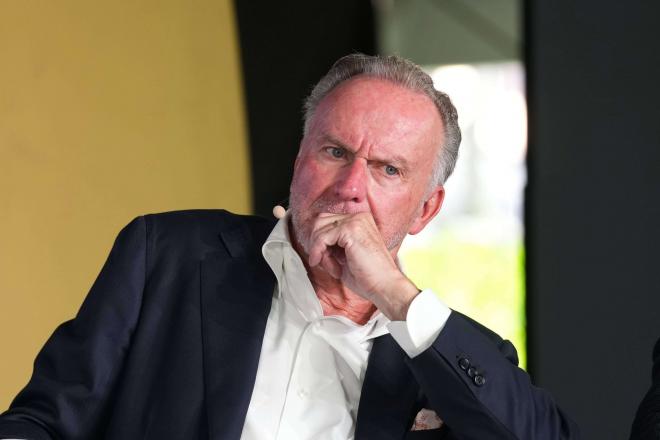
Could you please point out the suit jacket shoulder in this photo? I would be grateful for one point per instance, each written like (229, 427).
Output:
(131, 363)
(199, 230)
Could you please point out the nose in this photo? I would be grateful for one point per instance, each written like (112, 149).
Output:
(351, 184)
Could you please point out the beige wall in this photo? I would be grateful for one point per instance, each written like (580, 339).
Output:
(108, 110)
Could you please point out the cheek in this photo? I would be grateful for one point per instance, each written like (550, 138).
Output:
(309, 179)
(392, 209)
(390, 200)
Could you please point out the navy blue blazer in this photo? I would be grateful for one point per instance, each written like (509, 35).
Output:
(166, 346)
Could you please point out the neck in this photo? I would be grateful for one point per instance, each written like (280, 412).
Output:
(337, 299)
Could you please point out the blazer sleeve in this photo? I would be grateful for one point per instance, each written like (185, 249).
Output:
(646, 425)
(71, 385)
(471, 379)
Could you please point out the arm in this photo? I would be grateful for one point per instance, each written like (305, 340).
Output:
(497, 400)
(75, 372)
(494, 399)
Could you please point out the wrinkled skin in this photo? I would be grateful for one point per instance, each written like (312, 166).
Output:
(361, 183)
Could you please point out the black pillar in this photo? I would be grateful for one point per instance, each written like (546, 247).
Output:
(285, 48)
(593, 205)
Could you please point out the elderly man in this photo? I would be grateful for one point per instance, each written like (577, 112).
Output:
(205, 324)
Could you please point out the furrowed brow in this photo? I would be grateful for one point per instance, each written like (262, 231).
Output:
(331, 139)
(395, 160)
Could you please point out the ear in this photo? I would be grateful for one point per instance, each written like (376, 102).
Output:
(428, 210)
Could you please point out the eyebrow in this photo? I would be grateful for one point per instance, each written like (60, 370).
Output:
(396, 159)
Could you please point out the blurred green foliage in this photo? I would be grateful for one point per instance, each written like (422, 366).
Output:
(482, 279)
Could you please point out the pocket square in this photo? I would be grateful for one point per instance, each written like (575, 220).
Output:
(426, 419)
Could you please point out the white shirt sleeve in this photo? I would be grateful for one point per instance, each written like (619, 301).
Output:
(426, 317)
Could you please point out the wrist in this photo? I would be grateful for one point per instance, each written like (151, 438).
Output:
(400, 294)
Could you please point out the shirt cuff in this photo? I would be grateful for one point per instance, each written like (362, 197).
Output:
(426, 317)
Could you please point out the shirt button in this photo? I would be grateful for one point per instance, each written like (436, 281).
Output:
(302, 393)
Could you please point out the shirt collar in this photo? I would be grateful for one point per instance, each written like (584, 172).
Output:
(273, 249)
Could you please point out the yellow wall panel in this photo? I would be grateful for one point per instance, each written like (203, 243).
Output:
(108, 110)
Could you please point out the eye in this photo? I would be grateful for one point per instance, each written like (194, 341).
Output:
(336, 152)
(391, 171)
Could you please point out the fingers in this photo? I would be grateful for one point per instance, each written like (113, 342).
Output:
(332, 235)
(324, 235)
(350, 248)
(326, 218)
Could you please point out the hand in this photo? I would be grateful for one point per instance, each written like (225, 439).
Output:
(350, 248)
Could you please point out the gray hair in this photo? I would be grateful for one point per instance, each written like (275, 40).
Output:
(402, 72)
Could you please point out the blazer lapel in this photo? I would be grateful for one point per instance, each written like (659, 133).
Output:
(389, 393)
(236, 294)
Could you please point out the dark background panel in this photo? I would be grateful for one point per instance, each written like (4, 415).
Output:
(285, 49)
(593, 205)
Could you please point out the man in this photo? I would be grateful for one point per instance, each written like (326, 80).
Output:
(646, 425)
(203, 324)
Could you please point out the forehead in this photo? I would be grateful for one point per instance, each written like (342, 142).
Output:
(371, 112)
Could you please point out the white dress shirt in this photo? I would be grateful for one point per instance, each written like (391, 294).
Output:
(312, 366)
